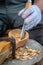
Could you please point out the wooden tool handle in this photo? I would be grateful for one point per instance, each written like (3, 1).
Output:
(28, 4)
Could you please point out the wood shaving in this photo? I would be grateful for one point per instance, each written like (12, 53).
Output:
(22, 54)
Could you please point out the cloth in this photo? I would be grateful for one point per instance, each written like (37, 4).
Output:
(36, 33)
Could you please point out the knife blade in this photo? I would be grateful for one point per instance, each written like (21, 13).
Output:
(22, 32)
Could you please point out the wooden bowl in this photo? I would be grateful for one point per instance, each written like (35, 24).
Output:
(16, 35)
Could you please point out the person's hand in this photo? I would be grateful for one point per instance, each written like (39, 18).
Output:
(31, 16)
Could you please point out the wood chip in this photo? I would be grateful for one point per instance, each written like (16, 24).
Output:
(26, 54)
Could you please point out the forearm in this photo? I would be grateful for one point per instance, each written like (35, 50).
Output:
(39, 3)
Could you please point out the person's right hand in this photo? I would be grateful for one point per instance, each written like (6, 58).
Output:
(31, 16)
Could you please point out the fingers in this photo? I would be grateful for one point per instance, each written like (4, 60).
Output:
(21, 12)
(31, 25)
(34, 21)
(30, 18)
(27, 13)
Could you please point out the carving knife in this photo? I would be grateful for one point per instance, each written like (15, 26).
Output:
(28, 4)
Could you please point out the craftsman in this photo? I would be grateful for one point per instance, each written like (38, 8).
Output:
(10, 9)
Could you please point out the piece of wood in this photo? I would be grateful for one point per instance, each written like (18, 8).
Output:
(4, 50)
(16, 35)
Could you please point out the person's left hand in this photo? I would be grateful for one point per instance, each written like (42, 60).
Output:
(31, 16)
